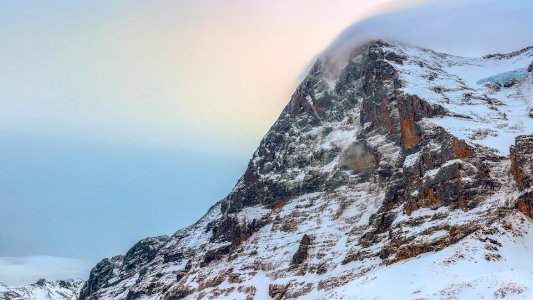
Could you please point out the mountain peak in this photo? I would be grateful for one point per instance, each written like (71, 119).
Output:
(403, 151)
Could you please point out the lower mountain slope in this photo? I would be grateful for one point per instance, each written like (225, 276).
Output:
(493, 263)
(410, 169)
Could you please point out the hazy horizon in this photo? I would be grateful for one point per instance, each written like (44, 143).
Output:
(130, 119)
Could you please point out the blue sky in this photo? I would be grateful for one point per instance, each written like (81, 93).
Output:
(87, 201)
(70, 199)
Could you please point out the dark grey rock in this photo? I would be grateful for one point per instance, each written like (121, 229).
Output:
(303, 251)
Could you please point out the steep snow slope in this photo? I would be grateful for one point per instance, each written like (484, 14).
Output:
(43, 290)
(395, 165)
(493, 263)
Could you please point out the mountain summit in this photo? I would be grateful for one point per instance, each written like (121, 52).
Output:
(408, 174)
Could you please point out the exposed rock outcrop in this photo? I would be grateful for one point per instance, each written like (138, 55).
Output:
(522, 168)
(303, 251)
(277, 291)
(522, 161)
(389, 160)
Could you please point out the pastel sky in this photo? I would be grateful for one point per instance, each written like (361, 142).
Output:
(126, 119)
(166, 74)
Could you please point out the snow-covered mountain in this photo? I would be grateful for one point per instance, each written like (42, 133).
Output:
(407, 175)
(43, 290)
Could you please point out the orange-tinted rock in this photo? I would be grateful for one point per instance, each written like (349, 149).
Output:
(462, 202)
(278, 204)
(410, 137)
(521, 154)
(319, 111)
(386, 115)
(421, 202)
(240, 238)
(461, 149)
(525, 204)
(431, 197)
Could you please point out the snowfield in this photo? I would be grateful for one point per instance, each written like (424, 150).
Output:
(492, 266)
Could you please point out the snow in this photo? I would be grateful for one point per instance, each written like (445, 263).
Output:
(460, 271)
(433, 236)
(261, 281)
(193, 235)
(300, 176)
(410, 160)
(390, 152)
(478, 114)
(254, 212)
(340, 138)
(432, 173)
(329, 167)
(43, 290)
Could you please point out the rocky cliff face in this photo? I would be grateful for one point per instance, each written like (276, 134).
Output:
(407, 151)
(522, 166)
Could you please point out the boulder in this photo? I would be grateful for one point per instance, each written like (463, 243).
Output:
(303, 251)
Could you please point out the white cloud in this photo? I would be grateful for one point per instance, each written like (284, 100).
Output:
(16, 271)
(466, 28)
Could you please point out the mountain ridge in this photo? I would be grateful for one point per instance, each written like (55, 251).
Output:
(370, 169)
(43, 290)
